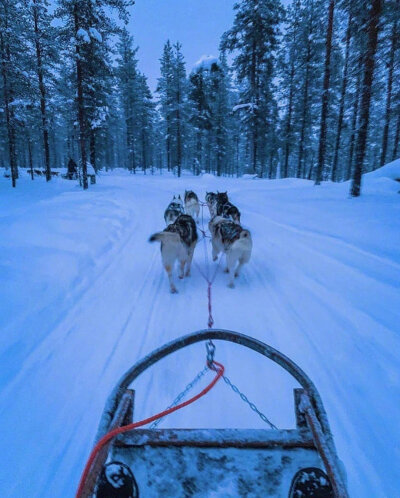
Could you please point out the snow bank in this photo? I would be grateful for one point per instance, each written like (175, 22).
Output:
(390, 170)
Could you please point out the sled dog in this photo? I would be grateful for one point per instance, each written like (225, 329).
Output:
(211, 200)
(192, 206)
(228, 210)
(229, 237)
(174, 209)
(222, 198)
(178, 242)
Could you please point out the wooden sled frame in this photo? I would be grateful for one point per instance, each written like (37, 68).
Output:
(310, 412)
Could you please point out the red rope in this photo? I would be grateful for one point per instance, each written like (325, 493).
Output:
(119, 430)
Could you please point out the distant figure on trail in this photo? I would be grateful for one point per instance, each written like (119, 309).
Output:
(72, 170)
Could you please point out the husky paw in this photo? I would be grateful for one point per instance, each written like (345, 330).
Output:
(215, 258)
(174, 290)
(187, 274)
(231, 285)
(236, 274)
(226, 270)
(181, 277)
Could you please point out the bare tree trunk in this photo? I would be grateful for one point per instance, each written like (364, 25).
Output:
(393, 47)
(42, 89)
(178, 130)
(342, 97)
(168, 144)
(369, 65)
(304, 113)
(80, 102)
(254, 90)
(130, 143)
(30, 156)
(354, 124)
(288, 128)
(92, 149)
(396, 137)
(325, 95)
(5, 58)
(305, 100)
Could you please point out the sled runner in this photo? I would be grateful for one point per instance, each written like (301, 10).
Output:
(288, 463)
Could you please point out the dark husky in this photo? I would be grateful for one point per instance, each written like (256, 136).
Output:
(222, 198)
(234, 241)
(174, 209)
(192, 206)
(228, 210)
(178, 241)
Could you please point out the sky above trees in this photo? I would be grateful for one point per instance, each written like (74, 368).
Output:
(198, 25)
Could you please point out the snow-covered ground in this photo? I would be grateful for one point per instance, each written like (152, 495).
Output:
(83, 296)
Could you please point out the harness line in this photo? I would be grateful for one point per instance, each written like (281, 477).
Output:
(209, 279)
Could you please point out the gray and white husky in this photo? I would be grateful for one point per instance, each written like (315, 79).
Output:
(174, 209)
(230, 211)
(178, 242)
(192, 206)
(229, 237)
(211, 200)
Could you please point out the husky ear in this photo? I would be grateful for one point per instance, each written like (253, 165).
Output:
(174, 196)
(179, 196)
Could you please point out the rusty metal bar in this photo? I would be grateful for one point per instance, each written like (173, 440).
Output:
(330, 459)
(217, 438)
(123, 410)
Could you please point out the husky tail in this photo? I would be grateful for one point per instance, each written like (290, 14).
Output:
(164, 237)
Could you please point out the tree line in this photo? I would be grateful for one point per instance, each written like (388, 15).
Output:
(310, 91)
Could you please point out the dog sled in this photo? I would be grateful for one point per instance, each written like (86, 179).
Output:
(132, 462)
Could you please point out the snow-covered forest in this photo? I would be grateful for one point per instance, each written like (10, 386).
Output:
(308, 90)
(299, 93)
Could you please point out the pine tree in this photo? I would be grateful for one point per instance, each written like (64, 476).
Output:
(343, 92)
(178, 103)
(325, 94)
(388, 107)
(11, 50)
(127, 74)
(374, 12)
(164, 89)
(91, 26)
(288, 69)
(41, 36)
(254, 38)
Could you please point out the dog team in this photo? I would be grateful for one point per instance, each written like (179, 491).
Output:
(179, 239)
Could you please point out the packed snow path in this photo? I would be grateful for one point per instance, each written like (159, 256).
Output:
(83, 296)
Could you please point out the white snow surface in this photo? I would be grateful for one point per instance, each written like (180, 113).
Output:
(205, 62)
(83, 35)
(390, 170)
(94, 33)
(250, 105)
(83, 296)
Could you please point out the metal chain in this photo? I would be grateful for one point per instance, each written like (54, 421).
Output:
(181, 395)
(210, 347)
(252, 405)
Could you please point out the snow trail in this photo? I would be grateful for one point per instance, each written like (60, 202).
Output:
(83, 296)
